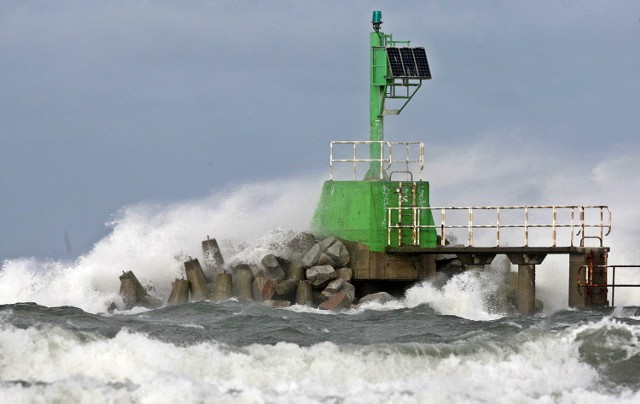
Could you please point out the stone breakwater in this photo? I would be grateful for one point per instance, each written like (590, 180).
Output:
(309, 271)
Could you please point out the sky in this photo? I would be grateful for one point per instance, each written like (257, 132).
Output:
(105, 105)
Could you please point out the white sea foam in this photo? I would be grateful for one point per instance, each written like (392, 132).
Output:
(132, 367)
(146, 239)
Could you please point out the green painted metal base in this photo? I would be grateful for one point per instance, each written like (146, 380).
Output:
(357, 211)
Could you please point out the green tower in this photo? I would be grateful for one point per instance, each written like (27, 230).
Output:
(383, 208)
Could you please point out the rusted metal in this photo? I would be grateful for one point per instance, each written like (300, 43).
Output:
(589, 284)
(603, 225)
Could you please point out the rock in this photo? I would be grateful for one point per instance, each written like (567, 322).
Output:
(333, 287)
(326, 243)
(380, 297)
(272, 267)
(319, 276)
(345, 273)
(324, 259)
(295, 271)
(311, 257)
(263, 288)
(287, 289)
(299, 245)
(277, 303)
(338, 302)
(349, 290)
(339, 253)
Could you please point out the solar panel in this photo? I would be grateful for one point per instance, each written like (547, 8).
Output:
(395, 62)
(420, 56)
(408, 62)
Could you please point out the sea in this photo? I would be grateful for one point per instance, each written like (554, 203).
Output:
(438, 343)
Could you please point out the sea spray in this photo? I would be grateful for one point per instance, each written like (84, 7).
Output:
(152, 241)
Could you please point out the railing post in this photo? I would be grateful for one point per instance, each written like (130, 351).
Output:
(555, 218)
(498, 227)
(526, 226)
(470, 224)
(443, 218)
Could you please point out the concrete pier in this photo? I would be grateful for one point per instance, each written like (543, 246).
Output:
(526, 289)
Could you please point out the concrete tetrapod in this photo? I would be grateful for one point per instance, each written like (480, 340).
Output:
(243, 284)
(304, 294)
(179, 292)
(133, 294)
(197, 280)
(223, 288)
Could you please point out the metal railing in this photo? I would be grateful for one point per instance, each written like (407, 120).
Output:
(579, 222)
(588, 283)
(389, 153)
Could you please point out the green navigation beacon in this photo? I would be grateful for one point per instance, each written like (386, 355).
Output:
(382, 203)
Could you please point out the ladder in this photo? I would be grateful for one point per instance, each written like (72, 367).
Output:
(407, 220)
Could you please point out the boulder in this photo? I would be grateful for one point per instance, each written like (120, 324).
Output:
(311, 257)
(333, 287)
(380, 297)
(339, 253)
(287, 289)
(345, 273)
(326, 243)
(263, 288)
(272, 267)
(325, 259)
(338, 302)
(299, 245)
(320, 275)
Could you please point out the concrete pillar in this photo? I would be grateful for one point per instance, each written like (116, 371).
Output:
(526, 289)
(223, 288)
(179, 292)
(197, 280)
(588, 296)
(133, 294)
(577, 296)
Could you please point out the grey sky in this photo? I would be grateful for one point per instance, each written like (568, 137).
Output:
(106, 104)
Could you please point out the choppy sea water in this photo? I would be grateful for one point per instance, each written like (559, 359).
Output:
(439, 343)
(238, 352)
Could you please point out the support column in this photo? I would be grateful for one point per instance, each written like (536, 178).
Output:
(577, 296)
(526, 289)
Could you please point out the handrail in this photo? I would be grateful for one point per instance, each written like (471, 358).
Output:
(588, 283)
(386, 160)
(580, 228)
